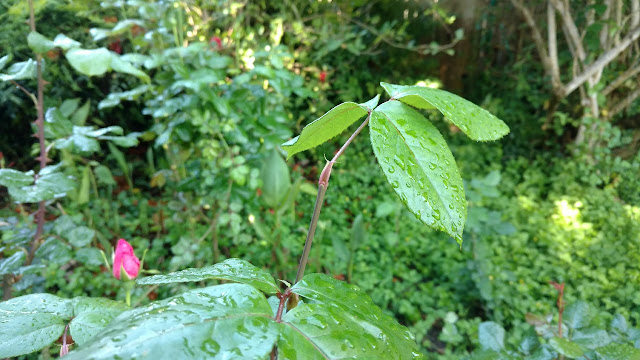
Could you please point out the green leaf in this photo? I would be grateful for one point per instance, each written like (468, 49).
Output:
(359, 324)
(474, 121)
(114, 99)
(48, 186)
(578, 315)
(90, 62)
(10, 178)
(419, 166)
(79, 117)
(230, 321)
(5, 60)
(64, 42)
(11, 264)
(81, 236)
(20, 70)
(325, 128)
(591, 338)
(566, 347)
(31, 322)
(358, 232)
(615, 351)
(119, 65)
(292, 345)
(38, 43)
(371, 104)
(236, 270)
(276, 181)
(491, 336)
(91, 316)
(83, 191)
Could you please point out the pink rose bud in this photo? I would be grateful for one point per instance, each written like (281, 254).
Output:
(217, 40)
(125, 259)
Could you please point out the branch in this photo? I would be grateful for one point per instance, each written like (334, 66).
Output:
(624, 103)
(602, 61)
(540, 45)
(604, 33)
(553, 44)
(632, 71)
(572, 30)
(635, 14)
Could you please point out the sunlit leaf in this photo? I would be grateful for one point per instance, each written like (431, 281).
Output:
(64, 42)
(93, 62)
(91, 316)
(343, 322)
(616, 351)
(472, 120)
(39, 43)
(419, 166)
(20, 70)
(329, 125)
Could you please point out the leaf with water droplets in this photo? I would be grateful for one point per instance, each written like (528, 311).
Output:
(328, 126)
(476, 122)
(230, 321)
(91, 316)
(342, 321)
(29, 323)
(419, 166)
(615, 351)
(236, 270)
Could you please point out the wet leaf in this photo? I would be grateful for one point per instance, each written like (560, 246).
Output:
(491, 336)
(342, 314)
(419, 166)
(231, 269)
(566, 347)
(327, 126)
(91, 316)
(119, 65)
(615, 351)
(230, 321)
(577, 315)
(10, 177)
(11, 264)
(81, 236)
(31, 322)
(474, 121)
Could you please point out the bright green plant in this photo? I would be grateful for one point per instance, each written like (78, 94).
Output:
(333, 319)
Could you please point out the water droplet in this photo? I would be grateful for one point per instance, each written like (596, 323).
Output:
(432, 166)
(395, 184)
(436, 214)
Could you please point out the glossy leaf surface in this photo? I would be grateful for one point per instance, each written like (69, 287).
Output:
(29, 323)
(419, 166)
(230, 321)
(491, 336)
(342, 320)
(566, 347)
(474, 121)
(10, 177)
(615, 351)
(231, 269)
(91, 316)
(325, 128)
